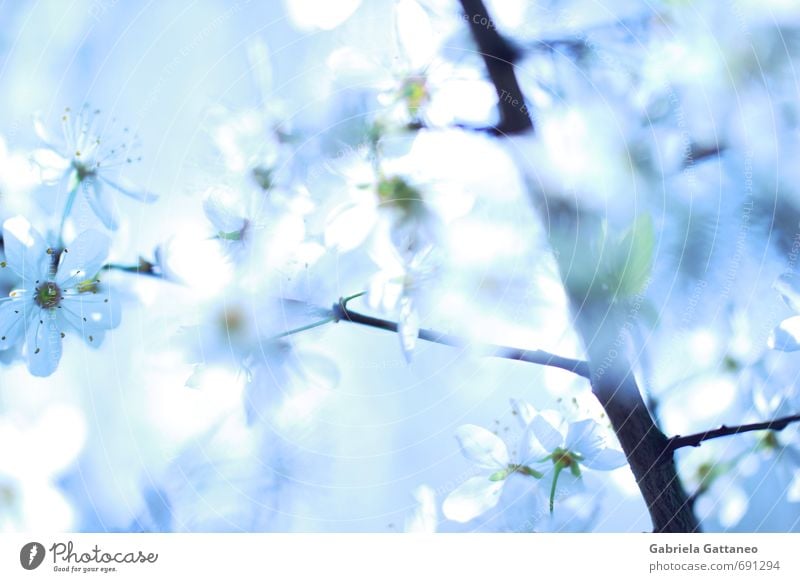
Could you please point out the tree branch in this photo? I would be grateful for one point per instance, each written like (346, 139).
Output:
(613, 383)
(499, 56)
(343, 313)
(695, 440)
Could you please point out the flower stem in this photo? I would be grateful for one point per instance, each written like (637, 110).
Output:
(558, 468)
(319, 323)
(67, 210)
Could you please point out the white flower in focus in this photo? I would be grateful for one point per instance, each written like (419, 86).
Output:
(581, 445)
(54, 298)
(491, 456)
(85, 157)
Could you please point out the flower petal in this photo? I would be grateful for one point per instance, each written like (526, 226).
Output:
(530, 450)
(524, 411)
(91, 314)
(523, 502)
(786, 337)
(547, 434)
(25, 249)
(584, 437)
(408, 327)
(793, 494)
(132, 191)
(12, 322)
(475, 496)
(99, 202)
(43, 344)
(83, 258)
(220, 209)
(606, 460)
(52, 166)
(482, 447)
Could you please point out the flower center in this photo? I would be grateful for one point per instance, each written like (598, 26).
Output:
(48, 295)
(398, 193)
(82, 170)
(233, 321)
(562, 457)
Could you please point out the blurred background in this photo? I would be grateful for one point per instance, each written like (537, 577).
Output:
(308, 150)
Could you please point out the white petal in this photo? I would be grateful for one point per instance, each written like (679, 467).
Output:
(734, 504)
(132, 191)
(786, 337)
(221, 210)
(786, 285)
(530, 450)
(83, 258)
(43, 344)
(408, 327)
(606, 460)
(524, 411)
(424, 518)
(482, 447)
(523, 502)
(99, 202)
(25, 249)
(585, 437)
(52, 166)
(348, 227)
(550, 438)
(474, 497)
(41, 131)
(415, 33)
(91, 314)
(54, 455)
(12, 322)
(793, 495)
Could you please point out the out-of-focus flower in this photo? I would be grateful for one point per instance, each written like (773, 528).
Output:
(224, 480)
(395, 288)
(786, 336)
(54, 298)
(424, 518)
(32, 459)
(85, 157)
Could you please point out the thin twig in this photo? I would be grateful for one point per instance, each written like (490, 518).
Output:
(695, 440)
(541, 357)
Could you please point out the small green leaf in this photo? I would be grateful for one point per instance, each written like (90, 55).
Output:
(634, 257)
(525, 470)
(233, 235)
(575, 469)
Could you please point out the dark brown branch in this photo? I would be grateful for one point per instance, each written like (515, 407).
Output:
(614, 385)
(695, 440)
(342, 313)
(499, 56)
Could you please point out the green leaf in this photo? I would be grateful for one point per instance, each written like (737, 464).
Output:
(525, 470)
(628, 262)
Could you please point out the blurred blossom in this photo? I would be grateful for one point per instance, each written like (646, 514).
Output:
(424, 518)
(87, 156)
(31, 462)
